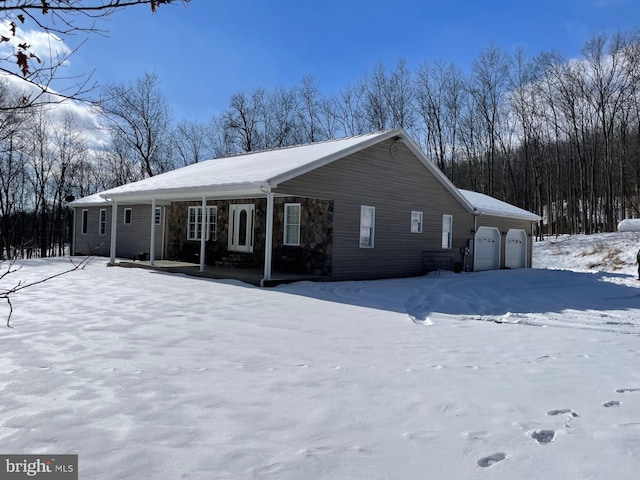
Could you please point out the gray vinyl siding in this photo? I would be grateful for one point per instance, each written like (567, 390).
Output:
(504, 224)
(92, 243)
(131, 240)
(395, 186)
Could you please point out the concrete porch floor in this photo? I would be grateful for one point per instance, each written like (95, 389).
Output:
(252, 276)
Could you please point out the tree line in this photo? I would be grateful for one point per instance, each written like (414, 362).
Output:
(556, 136)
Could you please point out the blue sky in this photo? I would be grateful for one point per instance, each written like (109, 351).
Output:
(214, 48)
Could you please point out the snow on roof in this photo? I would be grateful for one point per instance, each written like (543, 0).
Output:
(629, 225)
(248, 171)
(88, 201)
(487, 205)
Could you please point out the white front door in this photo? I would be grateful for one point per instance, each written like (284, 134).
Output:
(241, 227)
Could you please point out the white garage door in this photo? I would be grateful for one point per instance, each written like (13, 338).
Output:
(487, 249)
(515, 252)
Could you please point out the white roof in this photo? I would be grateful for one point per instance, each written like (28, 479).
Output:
(255, 173)
(91, 200)
(486, 205)
(247, 174)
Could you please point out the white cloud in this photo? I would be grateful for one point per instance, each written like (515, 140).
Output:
(87, 117)
(48, 47)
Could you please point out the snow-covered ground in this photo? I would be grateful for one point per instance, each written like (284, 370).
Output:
(503, 375)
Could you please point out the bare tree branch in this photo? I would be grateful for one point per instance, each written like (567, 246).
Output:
(58, 20)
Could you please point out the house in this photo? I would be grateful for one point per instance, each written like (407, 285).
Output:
(362, 207)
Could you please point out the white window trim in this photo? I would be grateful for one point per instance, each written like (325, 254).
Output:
(421, 216)
(212, 211)
(102, 222)
(372, 227)
(287, 206)
(212, 227)
(447, 221)
(195, 223)
(84, 227)
(124, 216)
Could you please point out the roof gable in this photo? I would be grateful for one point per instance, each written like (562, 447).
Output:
(251, 172)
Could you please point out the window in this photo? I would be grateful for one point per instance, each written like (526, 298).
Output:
(367, 226)
(127, 216)
(158, 215)
(416, 222)
(85, 220)
(292, 224)
(102, 222)
(213, 223)
(195, 223)
(447, 227)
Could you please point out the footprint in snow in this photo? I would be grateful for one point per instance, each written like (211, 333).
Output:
(420, 320)
(611, 403)
(491, 459)
(562, 411)
(543, 436)
(628, 390)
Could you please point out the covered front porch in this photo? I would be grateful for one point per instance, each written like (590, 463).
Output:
(260, 238)
(252, 276)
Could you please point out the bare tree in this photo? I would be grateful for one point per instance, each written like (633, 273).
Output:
(439, 91)
(488, 87)
(41, 164)
(309, 110)
(349, 110)
(59, 21)
(139, 119)
(243, 120)
(69, 149)
(219, 137)
(13, 168)
(279, 117)
(190, 144)
(399, 94)
(378, 111)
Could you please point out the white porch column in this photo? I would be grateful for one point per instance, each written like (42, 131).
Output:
(114, 228)
(203, 232)
(152, 247)
(268, 243)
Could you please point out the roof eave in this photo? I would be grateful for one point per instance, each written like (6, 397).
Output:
(532, 217)
(189, 193)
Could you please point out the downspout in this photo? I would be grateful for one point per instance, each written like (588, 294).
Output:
(152, 247)
(268, 242)
(114, 227)
(203, 232)
(73, 236)
(475, 230)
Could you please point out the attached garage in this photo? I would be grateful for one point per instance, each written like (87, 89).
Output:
(503, 233)
(487, 249)
(515, 251)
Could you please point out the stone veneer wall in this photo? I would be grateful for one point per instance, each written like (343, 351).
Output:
(316, 232)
